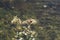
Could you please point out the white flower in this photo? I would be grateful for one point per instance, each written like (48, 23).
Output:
(21, 38)
(44, 6)
(30, 21)
(25, 33)
(25, 22)
(20, 33)
(16, 20)
(16, 36)
(33, 39)
(32, 36)
(13, 38)
(13, 7)
(33, 33)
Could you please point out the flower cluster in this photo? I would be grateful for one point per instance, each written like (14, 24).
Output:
(26, 31)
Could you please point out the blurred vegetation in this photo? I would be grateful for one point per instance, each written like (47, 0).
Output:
(48, 27)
